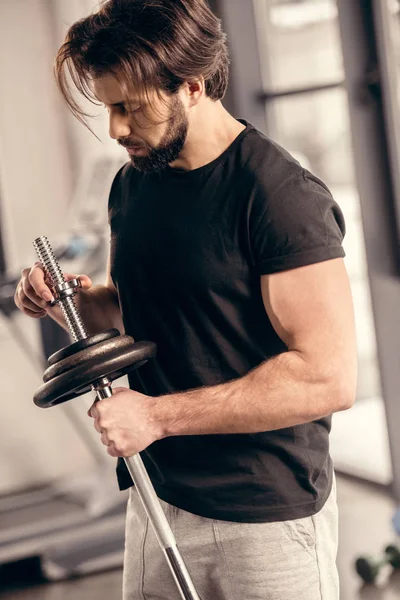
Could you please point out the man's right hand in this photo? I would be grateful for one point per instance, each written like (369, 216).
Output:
(34, 294)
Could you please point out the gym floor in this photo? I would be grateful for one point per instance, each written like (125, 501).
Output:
(365, 514)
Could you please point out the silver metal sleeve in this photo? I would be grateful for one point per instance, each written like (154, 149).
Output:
(53, 271)
(157, 518)
(73, 318)
(134, 464)
(161, 527)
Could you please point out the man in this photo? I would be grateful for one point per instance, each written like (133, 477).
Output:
(228, 254)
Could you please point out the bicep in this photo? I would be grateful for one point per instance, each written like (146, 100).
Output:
(311, 309)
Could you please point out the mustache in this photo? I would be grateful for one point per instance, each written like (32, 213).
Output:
(129, 144)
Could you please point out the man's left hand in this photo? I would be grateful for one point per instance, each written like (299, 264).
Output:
(126, 422)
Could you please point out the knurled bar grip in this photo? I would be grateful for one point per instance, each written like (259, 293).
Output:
(134, 463)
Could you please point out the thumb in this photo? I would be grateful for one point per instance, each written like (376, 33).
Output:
(86, 282)
(89, 412)
(119, 390)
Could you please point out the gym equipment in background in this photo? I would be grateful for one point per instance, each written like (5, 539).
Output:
(94, 362)
(74, 525)
(369, 568)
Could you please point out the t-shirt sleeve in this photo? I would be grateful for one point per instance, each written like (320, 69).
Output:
(300, 224)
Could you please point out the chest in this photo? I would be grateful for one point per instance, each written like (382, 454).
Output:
(191, 243)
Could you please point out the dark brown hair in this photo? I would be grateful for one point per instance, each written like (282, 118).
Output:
(152, 44)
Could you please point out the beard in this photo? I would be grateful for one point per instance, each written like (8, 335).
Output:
(170, 146)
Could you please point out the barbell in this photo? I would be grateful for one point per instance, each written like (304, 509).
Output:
(92, 363)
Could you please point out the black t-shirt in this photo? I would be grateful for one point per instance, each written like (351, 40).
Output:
(187, 252)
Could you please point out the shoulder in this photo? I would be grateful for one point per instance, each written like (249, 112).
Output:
(272, 168)
(278, 185)
(266, 163)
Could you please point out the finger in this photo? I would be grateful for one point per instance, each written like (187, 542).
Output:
(104, 438)
(97, 427)
(23, 301)
(94, 411)
(119, 390)
(86, 282)
(112, 451)
(29, 298)
(34, 315)
(37, 280)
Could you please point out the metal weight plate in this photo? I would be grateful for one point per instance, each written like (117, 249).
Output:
(93, 352)
(91, 340)
(120, 356)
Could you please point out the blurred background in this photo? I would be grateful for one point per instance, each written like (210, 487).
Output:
(320, 77)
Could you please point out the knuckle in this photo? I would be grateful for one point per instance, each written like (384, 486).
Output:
(37, 265)
(119, 445)
(26, 285)
(36, 273)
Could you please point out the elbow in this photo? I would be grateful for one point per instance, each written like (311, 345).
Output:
(349, 388)
(342, 397)
(346, 402)
(347, 380)
(341, 389)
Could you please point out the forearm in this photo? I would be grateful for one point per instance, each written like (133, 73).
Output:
(98, 307)
(281, 392)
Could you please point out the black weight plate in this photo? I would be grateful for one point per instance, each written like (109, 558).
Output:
(94, 352)
(88, 388)
(74, 383)
(91, 340)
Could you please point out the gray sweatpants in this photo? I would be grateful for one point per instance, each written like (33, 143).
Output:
(287, 560)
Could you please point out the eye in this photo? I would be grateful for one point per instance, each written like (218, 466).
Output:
(121, 108)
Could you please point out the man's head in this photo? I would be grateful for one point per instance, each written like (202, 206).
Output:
(151, 63)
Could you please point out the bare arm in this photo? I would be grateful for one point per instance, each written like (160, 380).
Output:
(311, 309)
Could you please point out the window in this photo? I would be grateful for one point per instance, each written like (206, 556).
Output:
(307, 113)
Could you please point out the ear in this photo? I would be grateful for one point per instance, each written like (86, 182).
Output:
(194, 90)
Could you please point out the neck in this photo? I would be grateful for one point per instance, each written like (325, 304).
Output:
(210, 133)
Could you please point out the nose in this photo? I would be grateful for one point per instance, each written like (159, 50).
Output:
(118, 126)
